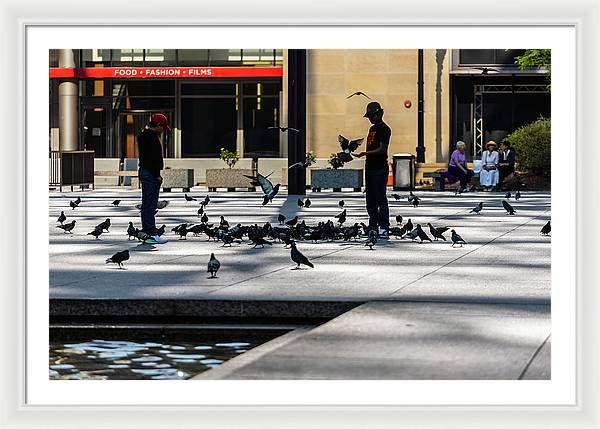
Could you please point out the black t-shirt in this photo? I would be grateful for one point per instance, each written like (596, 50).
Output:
(150, 151)
(378, 133)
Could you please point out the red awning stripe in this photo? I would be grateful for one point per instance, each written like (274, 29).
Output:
(165, 72)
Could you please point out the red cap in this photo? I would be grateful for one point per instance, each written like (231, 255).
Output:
(161, 120)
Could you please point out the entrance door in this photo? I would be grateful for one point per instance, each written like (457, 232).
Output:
(129, 125)
(95, 130)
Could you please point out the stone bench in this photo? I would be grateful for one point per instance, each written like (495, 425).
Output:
(135, 180)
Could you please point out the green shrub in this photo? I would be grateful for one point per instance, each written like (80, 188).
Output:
(532, 146)
(230, 158)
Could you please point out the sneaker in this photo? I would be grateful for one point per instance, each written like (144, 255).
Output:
(155, 239)
(383, 233)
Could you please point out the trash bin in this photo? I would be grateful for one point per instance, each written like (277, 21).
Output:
(403, 168)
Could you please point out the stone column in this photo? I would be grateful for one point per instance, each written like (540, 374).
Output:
(68, 98)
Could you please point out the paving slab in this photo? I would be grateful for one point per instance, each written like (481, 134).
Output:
(413, 341)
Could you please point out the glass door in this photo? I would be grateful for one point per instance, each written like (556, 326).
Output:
(129, 125)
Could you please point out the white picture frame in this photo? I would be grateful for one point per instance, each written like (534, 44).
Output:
(583, 15)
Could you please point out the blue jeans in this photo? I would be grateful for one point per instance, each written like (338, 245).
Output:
(150, 190)
(377, 204)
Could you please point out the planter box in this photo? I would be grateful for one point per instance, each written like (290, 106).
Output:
(177, 178)
(229, 178)
(336, 179)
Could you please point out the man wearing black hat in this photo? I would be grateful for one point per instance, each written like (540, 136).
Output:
(376, 170)
(150, 165)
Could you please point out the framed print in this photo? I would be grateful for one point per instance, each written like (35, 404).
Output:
(338, 219)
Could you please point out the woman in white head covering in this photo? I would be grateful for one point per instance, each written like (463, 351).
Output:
(488, 177)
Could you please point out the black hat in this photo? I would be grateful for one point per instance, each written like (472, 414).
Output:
(372, 108)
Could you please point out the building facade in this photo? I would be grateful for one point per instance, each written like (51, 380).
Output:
(229, 98)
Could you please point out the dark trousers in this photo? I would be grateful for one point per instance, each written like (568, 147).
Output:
(464, 178)
(377, 204)
(504, 172)
(150, 190)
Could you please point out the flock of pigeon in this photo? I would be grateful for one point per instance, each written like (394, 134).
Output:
(286, 231)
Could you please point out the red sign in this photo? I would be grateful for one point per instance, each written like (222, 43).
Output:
(165, 72)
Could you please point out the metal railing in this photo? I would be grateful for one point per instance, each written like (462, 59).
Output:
(72, 168)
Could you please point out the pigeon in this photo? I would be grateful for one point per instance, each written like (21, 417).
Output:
(507, 196)
(116, 203)
(422, 234)
(307, 203)
(348, 146)
(284, 129)
(477, 209)
(396, 196)
(415, 202)
(485, 70)
(304, 164)
(62, 217)
(131, 231)
(509, 209)
(259, 241)
(412, 234)
(292, 222)
(141, 235)
(281, 219)
(205, 201)
(119, 258)
(104, 225)
(437, 232)
(223, 224)
(228, 239)
(372, 239)
(300, 203)
(67, 227)
(213, 266)
(398, 219)
(358, 93)
(457, 239)
(204, 218)
(73, 204)
(414, 199)
(518, 195)
(408, 226)
(200, 211)
(178, 227)
(162, 204)
(188, 198)
(160, 231)
(341, 217)
(299, 258)
(96, 232)
(341, 204)
(78, 200)
(546, 229)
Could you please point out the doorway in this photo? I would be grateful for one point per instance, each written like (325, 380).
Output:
(129, 125)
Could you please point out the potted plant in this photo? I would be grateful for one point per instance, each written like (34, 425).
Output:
(336, 177)
(230, 177)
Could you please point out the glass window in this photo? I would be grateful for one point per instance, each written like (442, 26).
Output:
(90, 57)
(145, 88)
(259, 57)
(143, 103)
(53, 57)
(262, 88)
(225, 57)
(207, 125)
(208, 89)
(259, 114)
(122, 57)
(193, 57)
(489, 56)
(160, 57)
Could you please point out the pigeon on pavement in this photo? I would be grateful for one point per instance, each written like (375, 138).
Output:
(188, 198)
(104, 225)
(398, 219)
(299, 258)
(341, 203)
(477, 209)
(307, 203)
(131, 231)
(213, 266)
(518, 195)
(119, 258)
(437, 232)
(507, 196)
(281, 219)
(300, 203)
(546, 229)
(116, 203)
(96, 232)
(73, 204)
(457, 239)
(509, 209)
(372, 239)
(62, 217)
(292, 222)
(341, 217)
(422, 234)
(67, 227)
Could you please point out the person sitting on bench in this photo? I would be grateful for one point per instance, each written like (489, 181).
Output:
(458, 166)
(506, 164)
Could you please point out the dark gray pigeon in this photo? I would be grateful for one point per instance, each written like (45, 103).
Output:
(457, 239)
(358, 93)
(104, 225)
(281, 219)
(67, 227)
(300, 203)
(509, 209)
(96, 232)
(437, 232)
(422, 234)
(131, 231)
(477, 209)
(398, 219)
(188, 198)
(116, 203)
(341, 203)
(546, 229)
(299, 258)
(62, 217)
(518, 195)
(307, 203)
(119, 258)
(372, 239)
(292, 222)
(213, 266)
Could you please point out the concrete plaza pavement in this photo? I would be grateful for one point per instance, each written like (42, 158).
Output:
(489, 299)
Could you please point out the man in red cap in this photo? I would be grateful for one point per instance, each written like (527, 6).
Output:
(150, 164)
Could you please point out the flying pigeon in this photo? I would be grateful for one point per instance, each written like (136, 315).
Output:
(119, 258)
(358, 93)
(304, 164)
(457, 239)
(348, 146)
(62, 217)
(67, 227)
(546, 229)
(477, 209)
(284, 129)
(188, 198)
(509, 209)
(116, 202)
(299, 258)
(213, 266)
